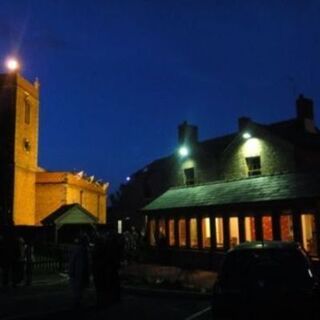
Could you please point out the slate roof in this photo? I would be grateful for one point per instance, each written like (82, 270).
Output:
(50, 219)
(249, 190)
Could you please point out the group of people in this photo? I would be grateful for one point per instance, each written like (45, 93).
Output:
(102, 261)
(16, 260)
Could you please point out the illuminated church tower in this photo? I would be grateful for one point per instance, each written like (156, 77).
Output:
(19, 122)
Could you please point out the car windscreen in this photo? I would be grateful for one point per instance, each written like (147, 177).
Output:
(275, 267)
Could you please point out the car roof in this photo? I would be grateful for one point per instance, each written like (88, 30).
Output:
(260, 245)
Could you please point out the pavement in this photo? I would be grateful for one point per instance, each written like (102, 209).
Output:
(138, 279)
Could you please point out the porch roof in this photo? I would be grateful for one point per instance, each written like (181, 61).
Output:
(250, 190)
(70, 214)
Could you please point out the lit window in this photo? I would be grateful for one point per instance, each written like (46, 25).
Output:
(193, 233)
(250, 230)
(172, 239)
(254, 166)
(219, 232)
(206, 233)
(189, 176)
(152, 231)
(286, 228)
(182, 233)
(309, 236)
(234, 231)
(267, 228)
(119, 226)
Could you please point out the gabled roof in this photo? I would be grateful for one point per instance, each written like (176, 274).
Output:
(249, 190)
(70, 213)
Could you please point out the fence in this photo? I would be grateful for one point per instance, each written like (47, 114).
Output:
(50, 258)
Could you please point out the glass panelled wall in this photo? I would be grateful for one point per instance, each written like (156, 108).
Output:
(206, 232)
(234, 231)
(286, 227)
(162, 228)
(152, 231)
(250, 229)
(182, 233)
(267, 228)
(193, 233)
(219, 232)
(309, 235)
(172, 238)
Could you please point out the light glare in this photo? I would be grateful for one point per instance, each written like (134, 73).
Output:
(183, 151)
(12, 64)
(246, 135)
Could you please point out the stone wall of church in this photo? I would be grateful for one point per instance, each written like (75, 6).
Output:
(24, 197)
(54, 189)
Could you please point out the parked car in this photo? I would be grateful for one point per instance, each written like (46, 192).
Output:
(266, 280)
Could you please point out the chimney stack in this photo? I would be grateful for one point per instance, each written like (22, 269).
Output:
(187, 133)
(243, 122)
(305, 114)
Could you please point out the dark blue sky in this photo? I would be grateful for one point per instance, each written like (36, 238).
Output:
(118, 76)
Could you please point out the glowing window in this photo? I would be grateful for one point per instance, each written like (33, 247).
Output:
(250, 229)
(286, 228)
(234, 231)
(193, 233)
(189, 176)
(309, 236)
(206, 232)
(219, 232)
(267, 228)
(152, 231)
(172, 239)
(182, 233)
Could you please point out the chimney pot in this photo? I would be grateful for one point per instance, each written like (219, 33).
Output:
(243, 122)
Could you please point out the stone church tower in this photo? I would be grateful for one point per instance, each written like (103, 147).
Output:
(19, 122)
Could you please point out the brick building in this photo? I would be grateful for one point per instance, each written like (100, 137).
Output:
(29, 193)
(261, 182)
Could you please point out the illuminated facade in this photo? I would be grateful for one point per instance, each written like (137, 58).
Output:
(28, 193)
(261, 182)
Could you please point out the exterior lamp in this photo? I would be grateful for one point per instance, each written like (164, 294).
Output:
(12, 64)
(246, 135)
(128, 179)
(184, 151)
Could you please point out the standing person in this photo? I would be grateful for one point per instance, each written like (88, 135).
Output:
(99, 270)
(10, 258)
(29, 257)
(106, 256)
(79, 270)
(20, 261)
(114, 253)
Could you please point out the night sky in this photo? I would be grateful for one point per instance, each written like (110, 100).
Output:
(118, 76)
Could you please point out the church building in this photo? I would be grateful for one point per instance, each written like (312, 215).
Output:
(29, 193)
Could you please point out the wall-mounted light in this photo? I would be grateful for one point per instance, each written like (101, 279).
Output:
(183, 151)
(246, 135)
